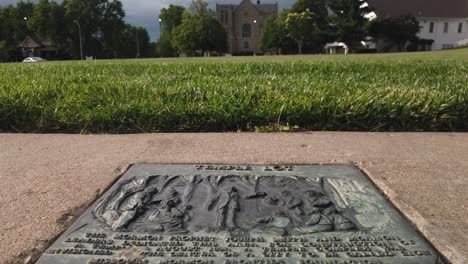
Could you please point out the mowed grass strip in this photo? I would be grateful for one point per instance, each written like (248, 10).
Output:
(390, 92)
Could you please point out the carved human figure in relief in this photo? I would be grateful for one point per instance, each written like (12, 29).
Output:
(132, 206)
(292, 207)
(275, 224)
(322, 215)
(169, 218)
(227, 206)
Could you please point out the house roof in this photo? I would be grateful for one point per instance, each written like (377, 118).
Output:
(30, 43)
(421, 8)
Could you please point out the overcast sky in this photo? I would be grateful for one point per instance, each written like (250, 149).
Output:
(144, 13)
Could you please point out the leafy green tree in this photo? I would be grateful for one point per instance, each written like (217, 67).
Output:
(89, 14)
(135, 40)
(111, 28)
(348, 20)
(39, 22)
(274, 36)
(171, 17)
(164, 46)
(317, 7)
(103, 29)
(47, 22)
(199, 30)
(396, 30)
(322, 33)
(13, 27)
(59, 27)
(186, 38)
(300, 25)
(199, 8)
(3, 50)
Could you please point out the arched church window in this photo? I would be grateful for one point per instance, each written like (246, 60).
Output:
(246, 30)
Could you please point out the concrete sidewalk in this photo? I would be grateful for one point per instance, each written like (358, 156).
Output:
(47, 180)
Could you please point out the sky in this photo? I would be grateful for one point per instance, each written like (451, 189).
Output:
(144, 13)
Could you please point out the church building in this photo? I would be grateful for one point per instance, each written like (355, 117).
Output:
(243, 24)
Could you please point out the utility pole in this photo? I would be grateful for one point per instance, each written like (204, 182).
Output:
(255, 38)
(81, 43)
(137, 43)
(160, 28)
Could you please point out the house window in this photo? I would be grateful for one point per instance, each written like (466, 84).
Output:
(246, 44)
(222, 17)
(246, 30)
(431, 27)
(446, 27)
(460, 27)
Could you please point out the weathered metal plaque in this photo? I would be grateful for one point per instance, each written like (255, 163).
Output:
(203, 214)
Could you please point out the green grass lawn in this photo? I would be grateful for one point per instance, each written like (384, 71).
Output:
(387, 92)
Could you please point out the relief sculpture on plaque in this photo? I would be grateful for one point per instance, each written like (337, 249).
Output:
(236, 205)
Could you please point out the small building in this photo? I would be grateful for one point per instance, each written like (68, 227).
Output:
(336, 48)
(444, 23)
(243, 24)
(32, 46)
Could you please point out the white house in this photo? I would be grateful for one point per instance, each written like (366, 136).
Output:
(444, 21)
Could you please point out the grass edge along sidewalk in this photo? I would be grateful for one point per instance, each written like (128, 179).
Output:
(425, 91)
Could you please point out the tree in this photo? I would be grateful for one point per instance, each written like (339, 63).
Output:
(299, 25)
(135, 41)
(171, 18)
(164, 46)
(13, 27)
(89, 14)
(4, 52)
(274, 34)
(318, 7)
(47, 22)
(59, 27)
(199, 8)
(146, 48)
(186, 38)
(103, 29)
(111, 28)
(396, 30)
(39, 22)
(199, 30)
(348, 20)
(323, 33)
(212, 35)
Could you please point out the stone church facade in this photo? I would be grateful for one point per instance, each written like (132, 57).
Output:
(243, 24)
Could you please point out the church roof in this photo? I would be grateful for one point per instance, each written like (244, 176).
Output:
(262, 8)
(267, 8)
(421, 8)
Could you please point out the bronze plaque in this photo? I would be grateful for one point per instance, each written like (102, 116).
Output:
(207, 214)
